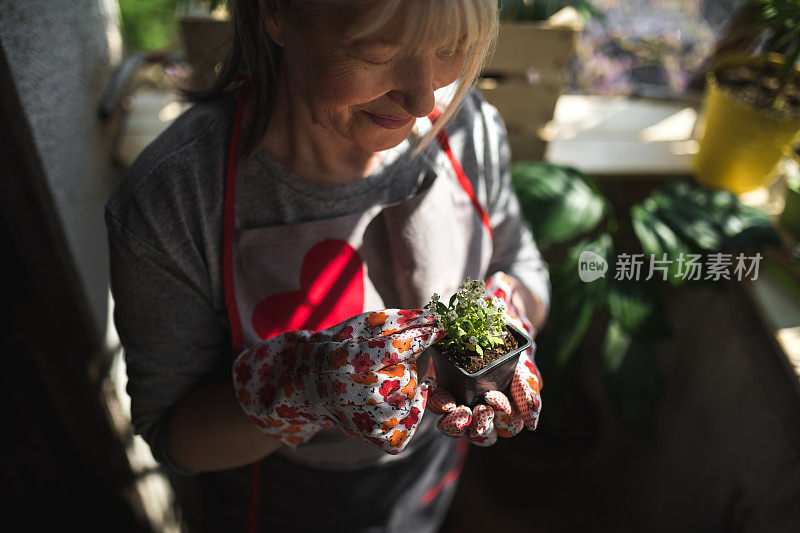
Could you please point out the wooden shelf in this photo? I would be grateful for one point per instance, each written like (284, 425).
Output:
(621, 136)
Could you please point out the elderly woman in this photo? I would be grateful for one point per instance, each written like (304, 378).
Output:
(286, 231)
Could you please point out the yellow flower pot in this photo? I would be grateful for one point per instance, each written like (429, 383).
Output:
(739, 147)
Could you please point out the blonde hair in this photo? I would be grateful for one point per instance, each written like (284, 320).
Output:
(469, 24)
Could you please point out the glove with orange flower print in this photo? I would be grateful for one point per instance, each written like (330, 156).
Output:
(496, 416)
(359, 375)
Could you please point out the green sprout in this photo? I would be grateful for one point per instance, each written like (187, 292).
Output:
(473, 319)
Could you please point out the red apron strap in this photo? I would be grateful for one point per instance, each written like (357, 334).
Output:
(463, 180)
(228, 224)
(449, 477)
(237, 338)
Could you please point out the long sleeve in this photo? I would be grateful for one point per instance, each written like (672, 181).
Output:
(173, 340)
(478, 136)
(515, 250)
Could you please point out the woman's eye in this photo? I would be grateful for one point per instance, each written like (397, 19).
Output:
(373, 54)
(450, 53)
(379, 63)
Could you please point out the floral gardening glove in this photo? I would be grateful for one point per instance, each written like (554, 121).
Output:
(359, 375)
(497, 416)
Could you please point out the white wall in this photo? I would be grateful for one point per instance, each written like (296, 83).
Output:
(61, 54)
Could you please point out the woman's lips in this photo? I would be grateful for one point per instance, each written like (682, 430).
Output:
(391, 123)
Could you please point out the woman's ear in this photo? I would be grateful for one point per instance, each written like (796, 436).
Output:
(271, 19)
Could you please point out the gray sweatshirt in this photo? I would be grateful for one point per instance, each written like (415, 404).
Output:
(165, 233)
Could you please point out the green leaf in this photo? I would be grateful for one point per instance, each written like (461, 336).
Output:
(746, 229)
(689, 220)
(657, 238)
(633, 378)
(647, 237)
(628, 304)
(636, 306)
(496, 341)
(478, 349)
(711, 219)
(558, 202)
(615, 346)
(574, 300)
(148, 25)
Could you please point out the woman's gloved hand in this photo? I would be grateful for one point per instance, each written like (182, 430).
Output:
(496, 416)
(360, 375)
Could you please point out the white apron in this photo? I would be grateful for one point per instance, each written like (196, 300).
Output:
(315, 274)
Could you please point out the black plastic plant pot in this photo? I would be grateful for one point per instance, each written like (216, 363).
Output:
(467, 388)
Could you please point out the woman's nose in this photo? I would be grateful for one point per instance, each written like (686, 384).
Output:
(416, 83)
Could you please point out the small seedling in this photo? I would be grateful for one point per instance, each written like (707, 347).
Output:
(473, 319)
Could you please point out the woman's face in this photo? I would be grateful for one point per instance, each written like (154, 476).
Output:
(368, 92)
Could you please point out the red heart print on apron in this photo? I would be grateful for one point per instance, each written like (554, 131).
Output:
(331, 291)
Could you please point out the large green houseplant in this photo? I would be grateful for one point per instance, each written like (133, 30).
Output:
(568, 214)
(752, 99)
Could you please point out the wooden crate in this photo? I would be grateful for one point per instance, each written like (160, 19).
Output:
(526, 76)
